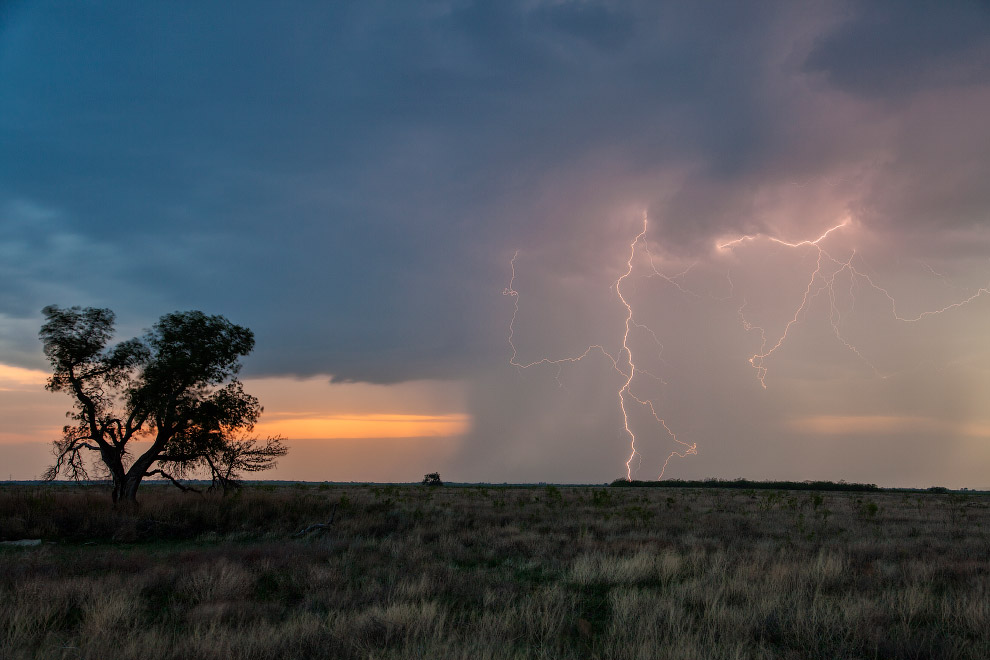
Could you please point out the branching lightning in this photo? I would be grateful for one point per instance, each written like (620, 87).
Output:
(828, 273)
(823, 280)
(624, 362)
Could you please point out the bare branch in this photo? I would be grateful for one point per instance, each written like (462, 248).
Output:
(178, 484)
(320, 527)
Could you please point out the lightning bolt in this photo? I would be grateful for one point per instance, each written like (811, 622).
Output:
(828, 273)
(624, 362)
(752, 237)
(823, 281)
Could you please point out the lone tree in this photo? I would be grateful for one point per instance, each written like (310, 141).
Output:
(174, 387)
(432, 479)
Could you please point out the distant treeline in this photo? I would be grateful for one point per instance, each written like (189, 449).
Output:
(746, 483)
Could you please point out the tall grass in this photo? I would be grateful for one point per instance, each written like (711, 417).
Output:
(413, 572)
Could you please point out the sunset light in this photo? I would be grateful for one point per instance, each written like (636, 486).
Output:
(723, 234)
(363, 426)
(496, 329)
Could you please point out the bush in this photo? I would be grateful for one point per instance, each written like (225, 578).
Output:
(432, 479)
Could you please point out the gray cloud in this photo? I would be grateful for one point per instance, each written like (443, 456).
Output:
(887, 50)
(351, 179)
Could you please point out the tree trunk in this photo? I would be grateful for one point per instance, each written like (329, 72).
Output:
(129, 488)
(138, 471)
(119, 480)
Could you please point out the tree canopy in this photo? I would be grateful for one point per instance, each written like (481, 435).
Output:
(175, 387)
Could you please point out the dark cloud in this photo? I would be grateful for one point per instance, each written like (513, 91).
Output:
(349, 179)
(889, 49)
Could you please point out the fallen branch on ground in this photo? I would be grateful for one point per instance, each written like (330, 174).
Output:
(318, 527)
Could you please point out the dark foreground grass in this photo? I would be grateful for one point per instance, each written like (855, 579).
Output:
(419, 572)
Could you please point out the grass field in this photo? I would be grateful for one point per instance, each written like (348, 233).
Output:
(476, 572)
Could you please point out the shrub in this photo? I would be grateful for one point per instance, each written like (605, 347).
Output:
(432, 479)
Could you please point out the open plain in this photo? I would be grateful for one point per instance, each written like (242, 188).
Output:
(409, 571)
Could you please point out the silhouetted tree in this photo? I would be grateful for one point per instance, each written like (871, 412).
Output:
(432, 479)
(174, 387)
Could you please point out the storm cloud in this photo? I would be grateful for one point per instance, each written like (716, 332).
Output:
(351, 179)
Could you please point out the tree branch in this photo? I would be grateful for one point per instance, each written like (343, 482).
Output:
(321, 527)
(174, 481)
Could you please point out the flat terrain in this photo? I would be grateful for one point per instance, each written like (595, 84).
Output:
(472, 572)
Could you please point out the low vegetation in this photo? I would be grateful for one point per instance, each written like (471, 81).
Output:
(491, 572)
(757, 485)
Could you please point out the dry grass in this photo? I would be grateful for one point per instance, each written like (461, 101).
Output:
(413, 572)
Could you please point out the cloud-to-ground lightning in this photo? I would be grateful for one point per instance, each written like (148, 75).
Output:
(624, 363)
(828, 273)
(822, 280)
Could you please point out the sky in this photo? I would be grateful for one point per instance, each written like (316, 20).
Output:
(357, 182)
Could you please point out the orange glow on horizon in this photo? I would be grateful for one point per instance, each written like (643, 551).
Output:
(328, 427)
(296, 409)
(19, 378)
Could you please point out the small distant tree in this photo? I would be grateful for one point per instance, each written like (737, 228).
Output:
(432, 479)
(175, 387)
